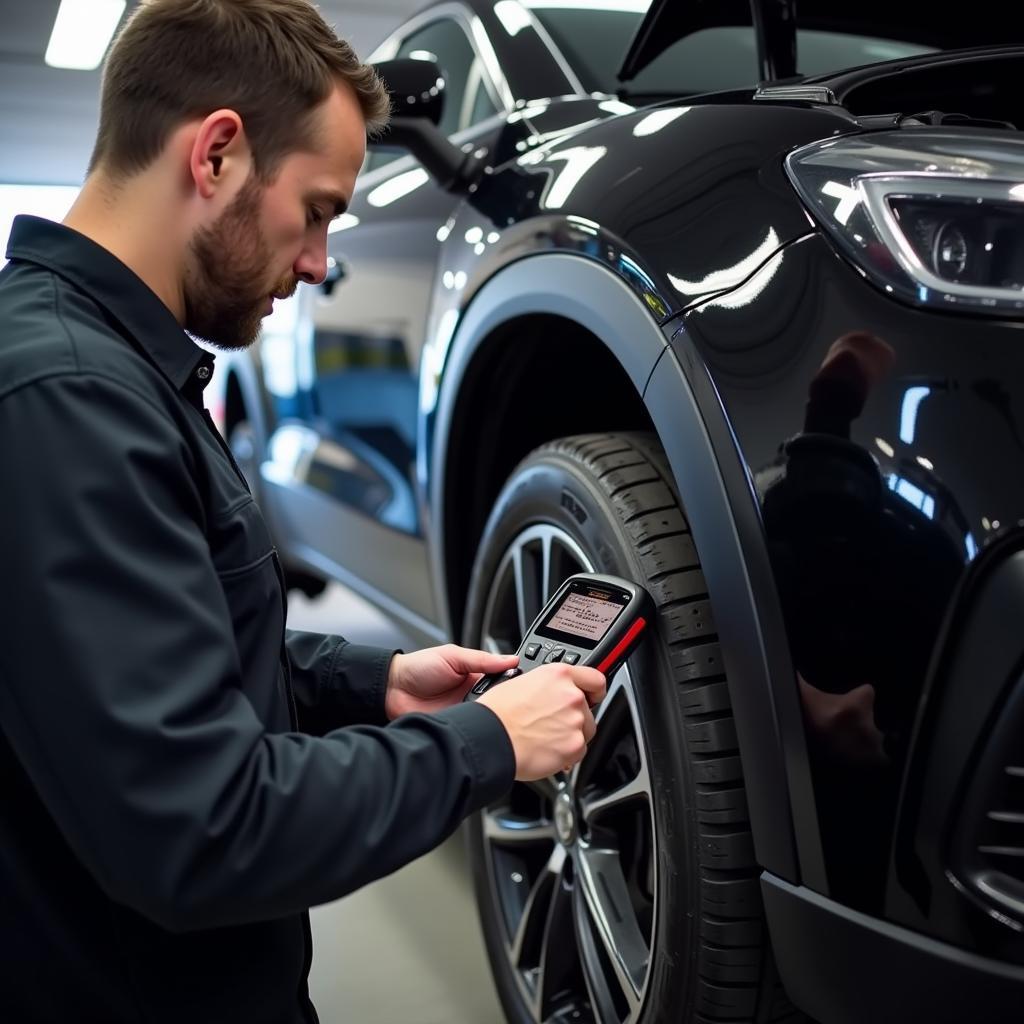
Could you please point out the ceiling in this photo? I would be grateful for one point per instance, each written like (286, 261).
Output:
(48, 116)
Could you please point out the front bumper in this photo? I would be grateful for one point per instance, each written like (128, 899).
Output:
(845, 967)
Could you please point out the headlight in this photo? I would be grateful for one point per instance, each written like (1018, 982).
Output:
(936, 218)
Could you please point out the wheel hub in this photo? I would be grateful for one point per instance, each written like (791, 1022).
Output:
(565, 818)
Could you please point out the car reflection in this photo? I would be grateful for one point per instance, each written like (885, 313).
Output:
(865, 562)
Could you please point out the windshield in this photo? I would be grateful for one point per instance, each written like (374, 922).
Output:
(594, 36)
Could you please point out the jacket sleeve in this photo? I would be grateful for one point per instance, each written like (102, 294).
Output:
(120, 689)
(337, 683)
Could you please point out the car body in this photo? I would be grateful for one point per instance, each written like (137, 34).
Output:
(765, 274)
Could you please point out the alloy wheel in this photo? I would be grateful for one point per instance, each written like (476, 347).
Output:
(571, 860)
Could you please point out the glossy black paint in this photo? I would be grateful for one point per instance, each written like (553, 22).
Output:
(862, 452)
(874, 496)
(694, 197)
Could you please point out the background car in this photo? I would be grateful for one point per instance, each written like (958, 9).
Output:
(729, 302)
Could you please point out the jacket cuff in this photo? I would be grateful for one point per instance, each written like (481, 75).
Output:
(359, 675)
(489, 750)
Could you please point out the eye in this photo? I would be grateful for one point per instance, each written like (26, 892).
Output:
(315, 215)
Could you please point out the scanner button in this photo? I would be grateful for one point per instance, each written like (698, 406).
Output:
(555, 655)
(532, 650)
(511, 674)
(571, 658)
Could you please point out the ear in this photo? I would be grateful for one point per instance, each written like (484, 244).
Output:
(220, 153)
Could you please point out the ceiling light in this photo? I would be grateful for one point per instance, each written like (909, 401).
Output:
(343, 222)
(82, 33)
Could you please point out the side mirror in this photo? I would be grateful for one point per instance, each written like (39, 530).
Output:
(417, 88)
(417, 91)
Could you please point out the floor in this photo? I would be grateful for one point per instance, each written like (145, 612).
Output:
(407, 948)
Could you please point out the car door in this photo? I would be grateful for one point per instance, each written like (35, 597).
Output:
(358, 366)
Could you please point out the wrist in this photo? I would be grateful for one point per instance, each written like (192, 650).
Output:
(392, 683)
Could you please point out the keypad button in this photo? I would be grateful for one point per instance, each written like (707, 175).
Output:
(532, 650)
(571, 658)
(555, 655)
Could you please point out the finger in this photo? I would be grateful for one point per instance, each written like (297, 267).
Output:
(589, 726)
(591, 682)
(465, 659)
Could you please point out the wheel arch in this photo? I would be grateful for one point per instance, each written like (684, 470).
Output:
(602, 320)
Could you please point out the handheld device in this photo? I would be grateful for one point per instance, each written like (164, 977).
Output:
(592, 619)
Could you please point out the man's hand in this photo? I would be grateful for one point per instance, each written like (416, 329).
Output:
(547, 716)
(438, 677)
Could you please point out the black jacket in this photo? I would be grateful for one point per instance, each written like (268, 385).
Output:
(166, 817)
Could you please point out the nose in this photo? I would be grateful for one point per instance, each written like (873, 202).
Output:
(311, 266)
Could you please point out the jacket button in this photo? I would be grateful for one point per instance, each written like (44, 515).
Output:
(203, 372)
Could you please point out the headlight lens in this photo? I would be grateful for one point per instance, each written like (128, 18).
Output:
(965, 242)
(933, 217)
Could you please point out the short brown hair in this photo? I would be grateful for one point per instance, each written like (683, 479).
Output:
(271, 61)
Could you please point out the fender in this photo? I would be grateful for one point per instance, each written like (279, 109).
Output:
(768, 722)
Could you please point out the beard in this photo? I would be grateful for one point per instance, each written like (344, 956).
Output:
(225, 289)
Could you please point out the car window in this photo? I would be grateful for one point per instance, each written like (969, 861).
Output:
(467, 100)
(595, 41)
(477, 104)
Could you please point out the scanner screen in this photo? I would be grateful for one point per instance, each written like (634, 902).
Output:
(583, 615)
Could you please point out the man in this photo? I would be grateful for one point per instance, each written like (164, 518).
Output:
(177, 787)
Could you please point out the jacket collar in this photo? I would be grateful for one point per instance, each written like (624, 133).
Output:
(120, 291)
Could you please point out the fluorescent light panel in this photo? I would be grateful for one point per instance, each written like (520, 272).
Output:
(82, 33)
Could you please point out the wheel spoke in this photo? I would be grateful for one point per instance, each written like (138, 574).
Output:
(517, 569)
(611, 911)
(615, 719)
(598, 992)
(638, 788)
(545, 570)
(565, 561)
(529, 934)
(509, 830)
(557, 955)
(616, 691)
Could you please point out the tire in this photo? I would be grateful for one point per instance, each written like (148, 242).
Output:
(668, 874)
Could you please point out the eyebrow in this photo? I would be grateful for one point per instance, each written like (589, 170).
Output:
(339, 202)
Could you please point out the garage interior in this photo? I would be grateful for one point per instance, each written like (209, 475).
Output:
(680, 339)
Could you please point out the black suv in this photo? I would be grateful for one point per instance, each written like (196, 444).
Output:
(727, 298)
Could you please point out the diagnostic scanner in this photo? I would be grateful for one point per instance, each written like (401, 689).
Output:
(592, 619)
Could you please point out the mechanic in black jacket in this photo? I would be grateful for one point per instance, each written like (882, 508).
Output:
(175, 785)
